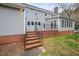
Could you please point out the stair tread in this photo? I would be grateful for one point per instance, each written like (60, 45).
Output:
(30, 33)
(32, 41)
(33, 45)
(32, 37)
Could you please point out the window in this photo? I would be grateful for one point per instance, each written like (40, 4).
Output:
(44, 25)
(67, 23)
(39, 23)
(35, 13)
(51, 25)
(36, 23)
(52, 15)
(62, 23)
(28, 22)
(45, 14)
(54, 23)
(71, 24)
(32, 23)
(27, 11)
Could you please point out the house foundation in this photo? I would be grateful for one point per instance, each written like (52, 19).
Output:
(12, 45)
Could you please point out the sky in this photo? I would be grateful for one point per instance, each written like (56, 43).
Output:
(48, 6)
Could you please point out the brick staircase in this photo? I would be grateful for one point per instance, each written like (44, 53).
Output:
(32, 40)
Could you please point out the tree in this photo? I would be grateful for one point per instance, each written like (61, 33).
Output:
(72, 11)
(68, 8)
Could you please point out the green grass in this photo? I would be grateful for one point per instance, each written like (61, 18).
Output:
(73, 36)
(73, 45)
(62, 45)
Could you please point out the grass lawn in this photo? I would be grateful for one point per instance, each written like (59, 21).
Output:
(61, 46)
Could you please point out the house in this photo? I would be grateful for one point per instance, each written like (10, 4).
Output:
(11, 28)
(48, 22)
(35, 25)
(40, 23)
(36, 18)
(24, 26)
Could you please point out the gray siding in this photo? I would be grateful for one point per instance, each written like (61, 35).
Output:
(11, 22)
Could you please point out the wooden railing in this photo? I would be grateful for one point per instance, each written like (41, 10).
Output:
(39, 33)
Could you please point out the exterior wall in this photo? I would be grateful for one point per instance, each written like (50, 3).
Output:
(50, 33)
(12, 45)
(47, 31)
(30, 16)
(11, 22)
(48, 24)
(66, 32)
(56, 33)
(39, 17)
(11, 31)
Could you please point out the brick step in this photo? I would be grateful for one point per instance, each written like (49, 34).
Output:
(31, 38)
(33, 45)
(32, 41)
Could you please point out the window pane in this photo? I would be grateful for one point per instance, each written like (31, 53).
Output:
(67, 23)
(36, 23)
(39, 23)
(32, 23)
(45, 14)
(44, 25)
(54, 23)
(28, 22)
(71, 23)
(51, 25)
(62, 23)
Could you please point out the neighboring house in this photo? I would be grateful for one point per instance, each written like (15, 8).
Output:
(11, 28)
